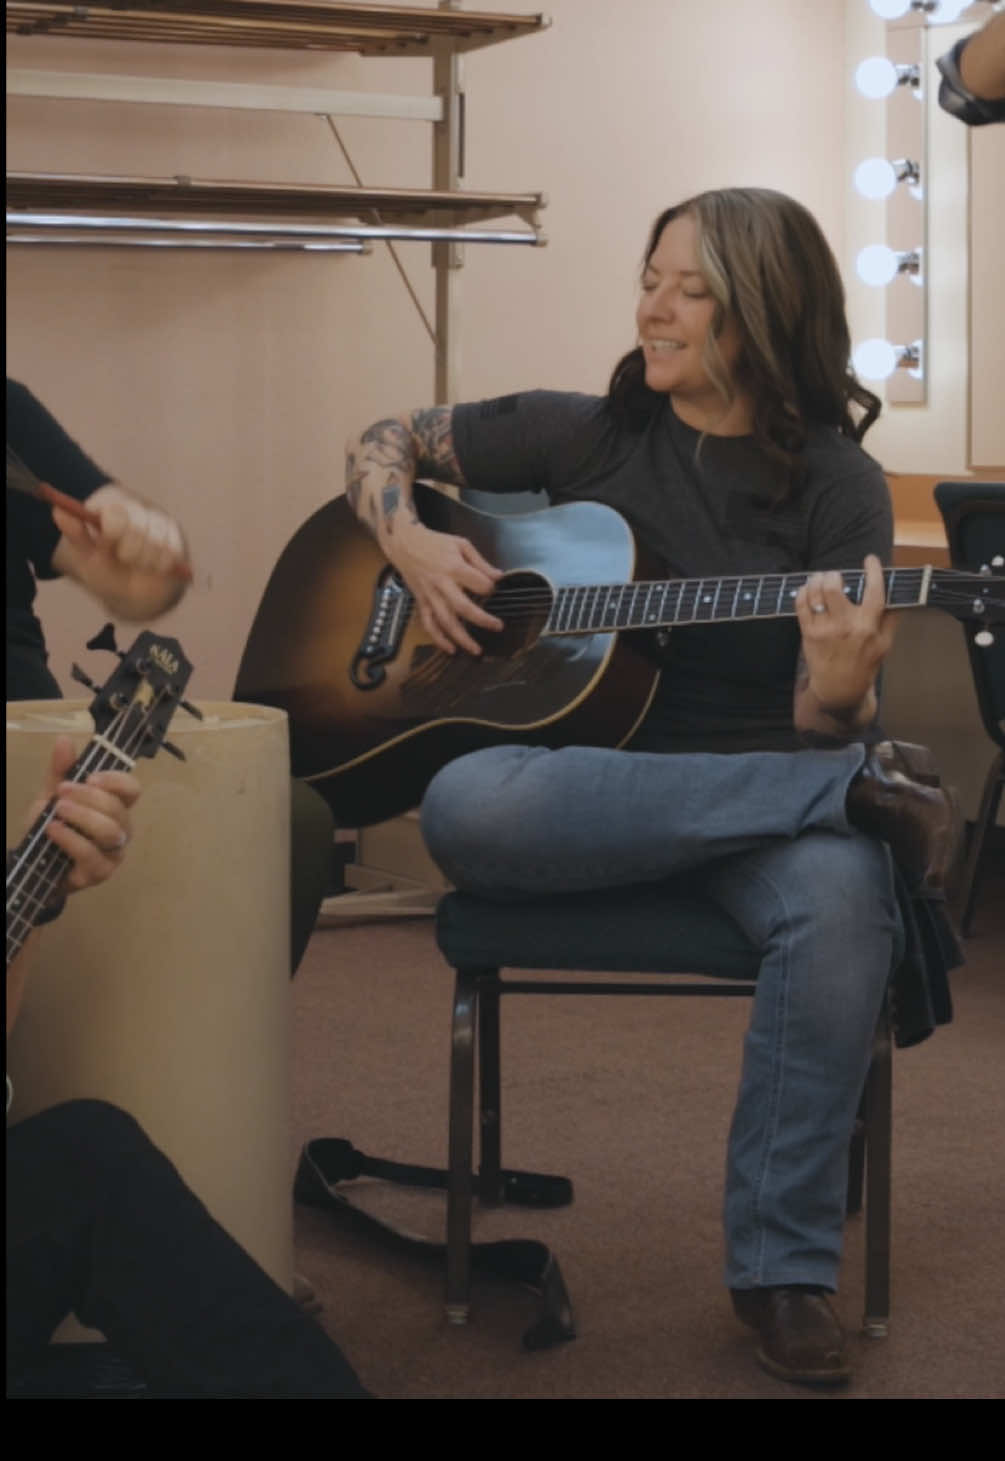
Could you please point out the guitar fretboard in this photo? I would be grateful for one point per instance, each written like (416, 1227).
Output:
(589, 609)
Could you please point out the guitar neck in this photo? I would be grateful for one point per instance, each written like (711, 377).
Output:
(37, 867)
(664, 603)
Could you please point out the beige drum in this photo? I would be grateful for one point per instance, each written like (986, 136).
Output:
(166, 990)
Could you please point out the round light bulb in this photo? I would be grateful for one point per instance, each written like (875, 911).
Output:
(877, 264)
(875, 178)
(948, 11)
(876, 77)
(890, 9)
(874, 359)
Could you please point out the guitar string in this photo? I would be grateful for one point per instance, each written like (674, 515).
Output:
(49, 877)
(725, 601)
(908, 579)
(535, 600)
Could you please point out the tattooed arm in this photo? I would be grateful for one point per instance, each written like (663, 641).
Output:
(843, 646)
(445, 573)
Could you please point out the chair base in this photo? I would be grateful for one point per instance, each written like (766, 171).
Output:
(994, 784)
(476, 1029)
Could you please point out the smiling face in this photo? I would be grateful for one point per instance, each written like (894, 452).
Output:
(675, 319)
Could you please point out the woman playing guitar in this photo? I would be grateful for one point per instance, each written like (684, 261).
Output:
(729, 440)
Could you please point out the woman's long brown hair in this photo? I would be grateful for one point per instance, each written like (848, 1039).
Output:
(765, 259)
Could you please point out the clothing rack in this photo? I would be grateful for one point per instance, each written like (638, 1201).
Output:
(90, 211)
(369, 30)
(115, 209)
(185, 213)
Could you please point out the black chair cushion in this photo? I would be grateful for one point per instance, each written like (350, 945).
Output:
(656, 929)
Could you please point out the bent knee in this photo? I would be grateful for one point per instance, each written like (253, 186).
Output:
(849, 881)
(469, 801)
(84, 1127)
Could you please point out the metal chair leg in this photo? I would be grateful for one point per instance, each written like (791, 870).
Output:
(856, 1165)
(460, 1146)
(490, 1180)
(990, 799)
(878, 1153)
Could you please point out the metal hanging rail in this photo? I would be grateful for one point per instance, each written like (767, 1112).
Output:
(405, 212)
(370, 30)
(112, 241)
(290, 232)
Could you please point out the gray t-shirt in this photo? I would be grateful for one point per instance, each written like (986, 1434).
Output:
(725, 686)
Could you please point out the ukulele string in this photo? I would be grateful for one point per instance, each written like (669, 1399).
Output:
(106, 754)
(96, 757)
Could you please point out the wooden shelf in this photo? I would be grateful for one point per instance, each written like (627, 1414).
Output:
(369, 30)
(89, 210)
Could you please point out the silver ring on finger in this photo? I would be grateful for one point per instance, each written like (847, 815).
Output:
(818, 608)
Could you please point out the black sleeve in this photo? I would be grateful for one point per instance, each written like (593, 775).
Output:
(38, 440)
(954, 97)
(522, 443)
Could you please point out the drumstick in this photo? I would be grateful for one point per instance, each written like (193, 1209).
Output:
(22, 479)
(45, 493)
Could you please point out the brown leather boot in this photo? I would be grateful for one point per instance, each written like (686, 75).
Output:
(799, 1335)
(898, 797)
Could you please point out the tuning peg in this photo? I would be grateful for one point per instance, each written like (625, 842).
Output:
(192, 709)
(173, 750)
(105, 639)
(76, 673)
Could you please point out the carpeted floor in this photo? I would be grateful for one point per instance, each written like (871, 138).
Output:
(631, 1098)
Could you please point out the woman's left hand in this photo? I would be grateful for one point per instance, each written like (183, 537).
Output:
(844, 643)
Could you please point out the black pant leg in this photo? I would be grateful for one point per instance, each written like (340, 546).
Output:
(101, 1224)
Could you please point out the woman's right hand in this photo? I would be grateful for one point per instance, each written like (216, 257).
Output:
(446, 574)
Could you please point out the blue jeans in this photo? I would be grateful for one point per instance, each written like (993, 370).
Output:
(815, 895)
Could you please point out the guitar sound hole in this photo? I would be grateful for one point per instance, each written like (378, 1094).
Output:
(523, 602)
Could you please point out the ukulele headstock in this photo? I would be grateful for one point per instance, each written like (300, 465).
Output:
(139, 698)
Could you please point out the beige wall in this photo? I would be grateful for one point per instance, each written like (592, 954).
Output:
(223, 386)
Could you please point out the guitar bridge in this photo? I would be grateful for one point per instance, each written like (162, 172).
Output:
(392, 604)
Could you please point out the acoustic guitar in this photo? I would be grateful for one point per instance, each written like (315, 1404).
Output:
(131, 714)
(376, 708)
